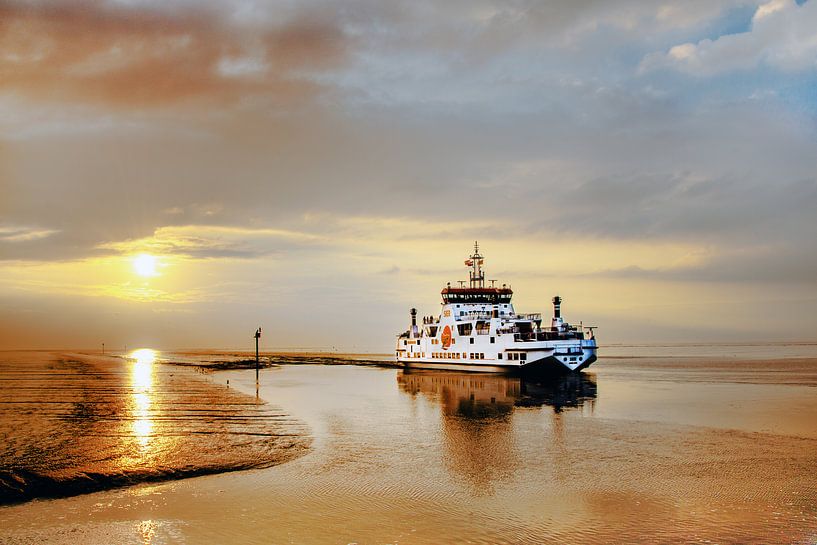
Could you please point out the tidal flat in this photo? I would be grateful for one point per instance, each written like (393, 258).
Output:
(73, 423)
(643, 448)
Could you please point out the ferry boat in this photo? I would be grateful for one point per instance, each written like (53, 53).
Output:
(479, 330)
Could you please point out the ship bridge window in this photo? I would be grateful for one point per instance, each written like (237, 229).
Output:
(465, 329)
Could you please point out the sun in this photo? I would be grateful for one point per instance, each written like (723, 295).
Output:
(145, 264)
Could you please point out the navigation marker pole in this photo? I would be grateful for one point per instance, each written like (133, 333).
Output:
(257, 361)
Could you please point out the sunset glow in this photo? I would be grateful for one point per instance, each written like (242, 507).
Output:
(142, 395)
(213, 166)
(425, 271)
(145, 265)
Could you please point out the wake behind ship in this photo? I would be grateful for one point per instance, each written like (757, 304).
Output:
(479, 330)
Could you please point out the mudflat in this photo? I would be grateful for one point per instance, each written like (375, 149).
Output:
(74, 423)
(638, 450)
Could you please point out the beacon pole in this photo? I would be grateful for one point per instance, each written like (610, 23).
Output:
(257, 361)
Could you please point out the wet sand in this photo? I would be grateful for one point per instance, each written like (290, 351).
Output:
(675, 450)
(233, 359)
(76, 423)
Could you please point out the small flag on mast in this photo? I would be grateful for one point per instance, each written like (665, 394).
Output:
(469, 262)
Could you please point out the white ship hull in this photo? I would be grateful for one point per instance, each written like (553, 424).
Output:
(536, 361)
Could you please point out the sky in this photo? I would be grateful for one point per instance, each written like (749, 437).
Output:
(176, 173)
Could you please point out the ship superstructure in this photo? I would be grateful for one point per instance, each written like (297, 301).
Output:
(479, 330)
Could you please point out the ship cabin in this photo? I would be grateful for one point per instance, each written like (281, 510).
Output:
(465, 296)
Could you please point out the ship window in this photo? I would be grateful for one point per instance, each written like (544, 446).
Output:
(471, 340)
(523, 356)
(499, 356)
(493, 340)
(481, 356)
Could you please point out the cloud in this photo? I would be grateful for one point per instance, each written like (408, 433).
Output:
(23, 234)
(289, 152)
(141, 55)
(214, 241)
(783, 36)
(754, 265)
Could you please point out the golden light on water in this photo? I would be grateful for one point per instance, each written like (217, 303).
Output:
(143, 356)
(145, 265)
(141, 383)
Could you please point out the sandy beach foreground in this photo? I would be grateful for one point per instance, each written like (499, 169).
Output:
(642, 450)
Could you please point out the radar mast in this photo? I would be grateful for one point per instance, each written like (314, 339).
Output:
(477, 275)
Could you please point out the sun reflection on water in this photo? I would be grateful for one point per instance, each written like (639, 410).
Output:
(141, 383)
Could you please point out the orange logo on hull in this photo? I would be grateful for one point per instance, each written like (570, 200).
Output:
(445, 338)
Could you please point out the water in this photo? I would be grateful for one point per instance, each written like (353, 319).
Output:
(636, 451)
(75, 423)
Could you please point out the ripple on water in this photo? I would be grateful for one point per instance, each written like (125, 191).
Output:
(79, 423)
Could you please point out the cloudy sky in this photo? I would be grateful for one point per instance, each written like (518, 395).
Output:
(317, 168)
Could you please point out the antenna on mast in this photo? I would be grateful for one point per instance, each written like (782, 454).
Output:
(475, 262)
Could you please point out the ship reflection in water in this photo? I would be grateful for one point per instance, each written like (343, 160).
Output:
(479, 435)
(482, 396)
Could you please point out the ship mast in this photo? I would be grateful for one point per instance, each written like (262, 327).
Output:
(477, 276)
